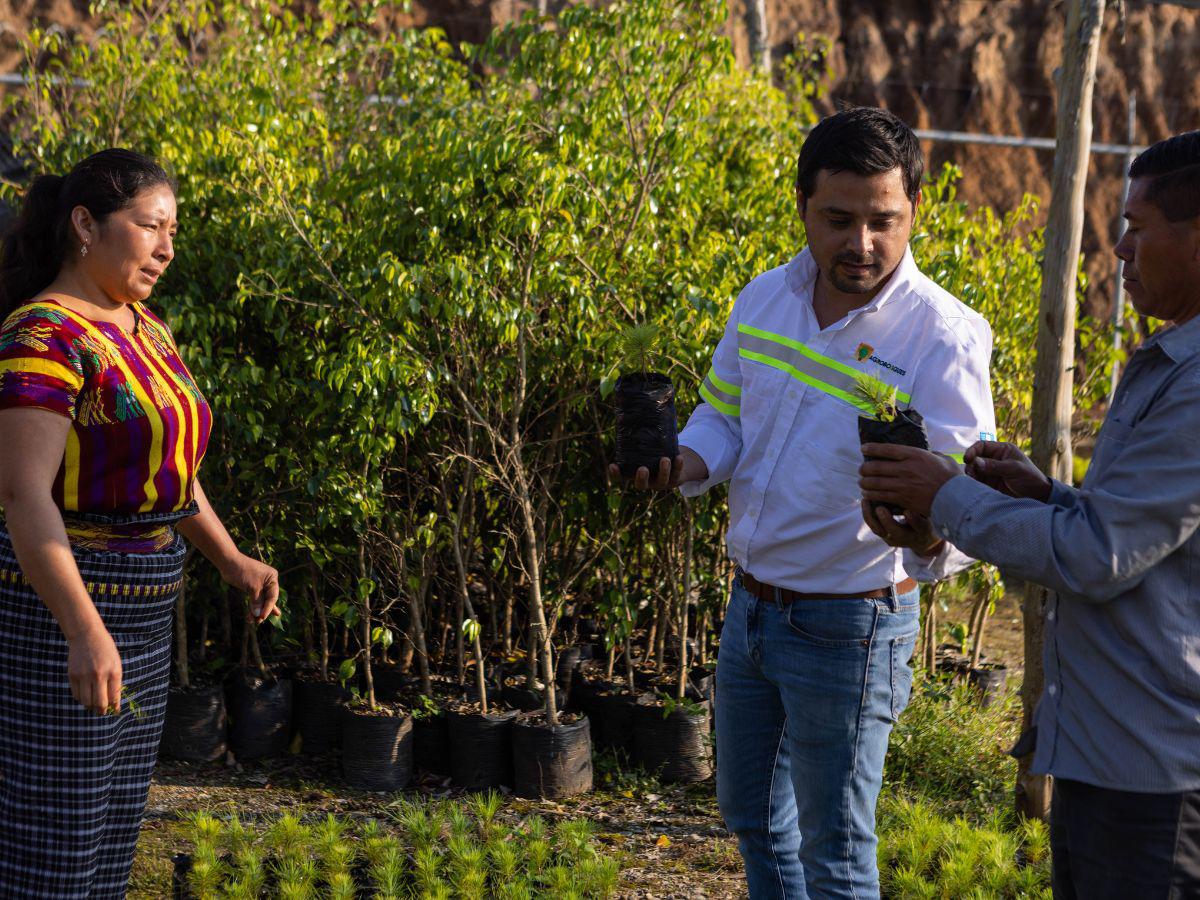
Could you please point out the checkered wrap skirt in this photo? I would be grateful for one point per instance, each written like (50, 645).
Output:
(73, 784)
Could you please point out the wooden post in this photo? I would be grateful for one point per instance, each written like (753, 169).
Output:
(758, 35)
(1056, 332)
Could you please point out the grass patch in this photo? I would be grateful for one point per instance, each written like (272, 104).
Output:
(950, 752)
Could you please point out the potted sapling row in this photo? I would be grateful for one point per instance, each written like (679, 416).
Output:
(646, 426)
(883, 422)
(377, 741)
(480, 734)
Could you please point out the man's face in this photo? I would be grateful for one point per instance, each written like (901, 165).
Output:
(1162, 259)
(858, 227)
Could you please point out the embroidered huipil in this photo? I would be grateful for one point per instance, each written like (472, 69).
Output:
(779, 421)
(139, 425)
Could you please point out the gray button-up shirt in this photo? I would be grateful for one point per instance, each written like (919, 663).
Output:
(1121, 707)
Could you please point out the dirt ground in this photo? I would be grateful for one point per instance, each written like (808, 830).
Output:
(670, 840)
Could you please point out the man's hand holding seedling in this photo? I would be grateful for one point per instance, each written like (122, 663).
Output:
(905, 476)
(687, 466)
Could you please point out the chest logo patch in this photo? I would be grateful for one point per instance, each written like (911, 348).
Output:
(864, 351)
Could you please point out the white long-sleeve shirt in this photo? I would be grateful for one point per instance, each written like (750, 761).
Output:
(778, 422)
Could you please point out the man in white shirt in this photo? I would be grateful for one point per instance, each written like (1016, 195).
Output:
(814, 657)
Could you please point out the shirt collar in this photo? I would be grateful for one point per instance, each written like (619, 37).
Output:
(800, 275)
(1180, 342)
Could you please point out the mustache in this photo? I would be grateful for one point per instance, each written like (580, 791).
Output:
(854, 260)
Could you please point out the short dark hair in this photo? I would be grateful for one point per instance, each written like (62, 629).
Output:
(33, 250)
(1174, 166)
(863, 140)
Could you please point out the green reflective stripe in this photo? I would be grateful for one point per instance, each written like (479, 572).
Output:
(721, 390)
(957, 457)
(730, 409)
(724, 386)
(776, 363)
(822, 372)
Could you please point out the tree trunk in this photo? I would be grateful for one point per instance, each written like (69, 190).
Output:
(322, 623)
(509, 589)
(418, 633)
(537, 611)
(929, 644)
(480, 679)
(364, 625)
(757, 34)
(685, 595)
(978, 624)
(1056, 333)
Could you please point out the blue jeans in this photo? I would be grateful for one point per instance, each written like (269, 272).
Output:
(807, 694)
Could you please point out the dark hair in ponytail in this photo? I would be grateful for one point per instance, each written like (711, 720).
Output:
(34, 248)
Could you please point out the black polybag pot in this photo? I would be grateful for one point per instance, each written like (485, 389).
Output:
(615, 713)
(195, 725)
(700, 685)
(906, 430)
(518, 696)
(551, 762)
(675, 746)
(989, 679)
(569, 659)
(377, 750)
(481, 749)
(260, 714)
(317, 714)
(182, 867)
(431, 744)
(585, 698)
(646, 425)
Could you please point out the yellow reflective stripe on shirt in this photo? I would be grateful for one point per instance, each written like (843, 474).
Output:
(807, 365)
(721, 395)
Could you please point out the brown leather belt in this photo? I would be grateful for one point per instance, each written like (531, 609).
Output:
(770, 594)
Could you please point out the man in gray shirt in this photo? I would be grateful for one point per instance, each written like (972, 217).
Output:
(1119, 722)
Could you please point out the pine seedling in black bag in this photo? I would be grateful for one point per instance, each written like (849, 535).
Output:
(887, 423)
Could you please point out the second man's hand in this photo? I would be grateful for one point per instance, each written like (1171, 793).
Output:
(687, 466)
(1003, 467)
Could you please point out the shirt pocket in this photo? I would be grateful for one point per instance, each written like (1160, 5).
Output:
(827, 478)
(1109, 444)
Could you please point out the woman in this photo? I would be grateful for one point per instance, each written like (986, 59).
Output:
(102, 430)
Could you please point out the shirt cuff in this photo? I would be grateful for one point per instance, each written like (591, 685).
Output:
(946, 562)
(1061, 494)
(713, 448)
(954, 505)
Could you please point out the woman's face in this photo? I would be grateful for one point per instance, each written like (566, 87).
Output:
(129, 251)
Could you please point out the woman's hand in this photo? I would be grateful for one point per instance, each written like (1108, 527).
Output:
(258, 580)
(94, 670)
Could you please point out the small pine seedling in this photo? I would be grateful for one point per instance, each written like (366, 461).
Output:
(880, 397)
(637, 346)
(388, 873)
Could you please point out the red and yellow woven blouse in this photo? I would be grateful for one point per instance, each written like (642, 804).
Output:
(139, 425)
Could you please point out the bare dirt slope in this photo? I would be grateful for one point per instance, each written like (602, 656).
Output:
(965, 65)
